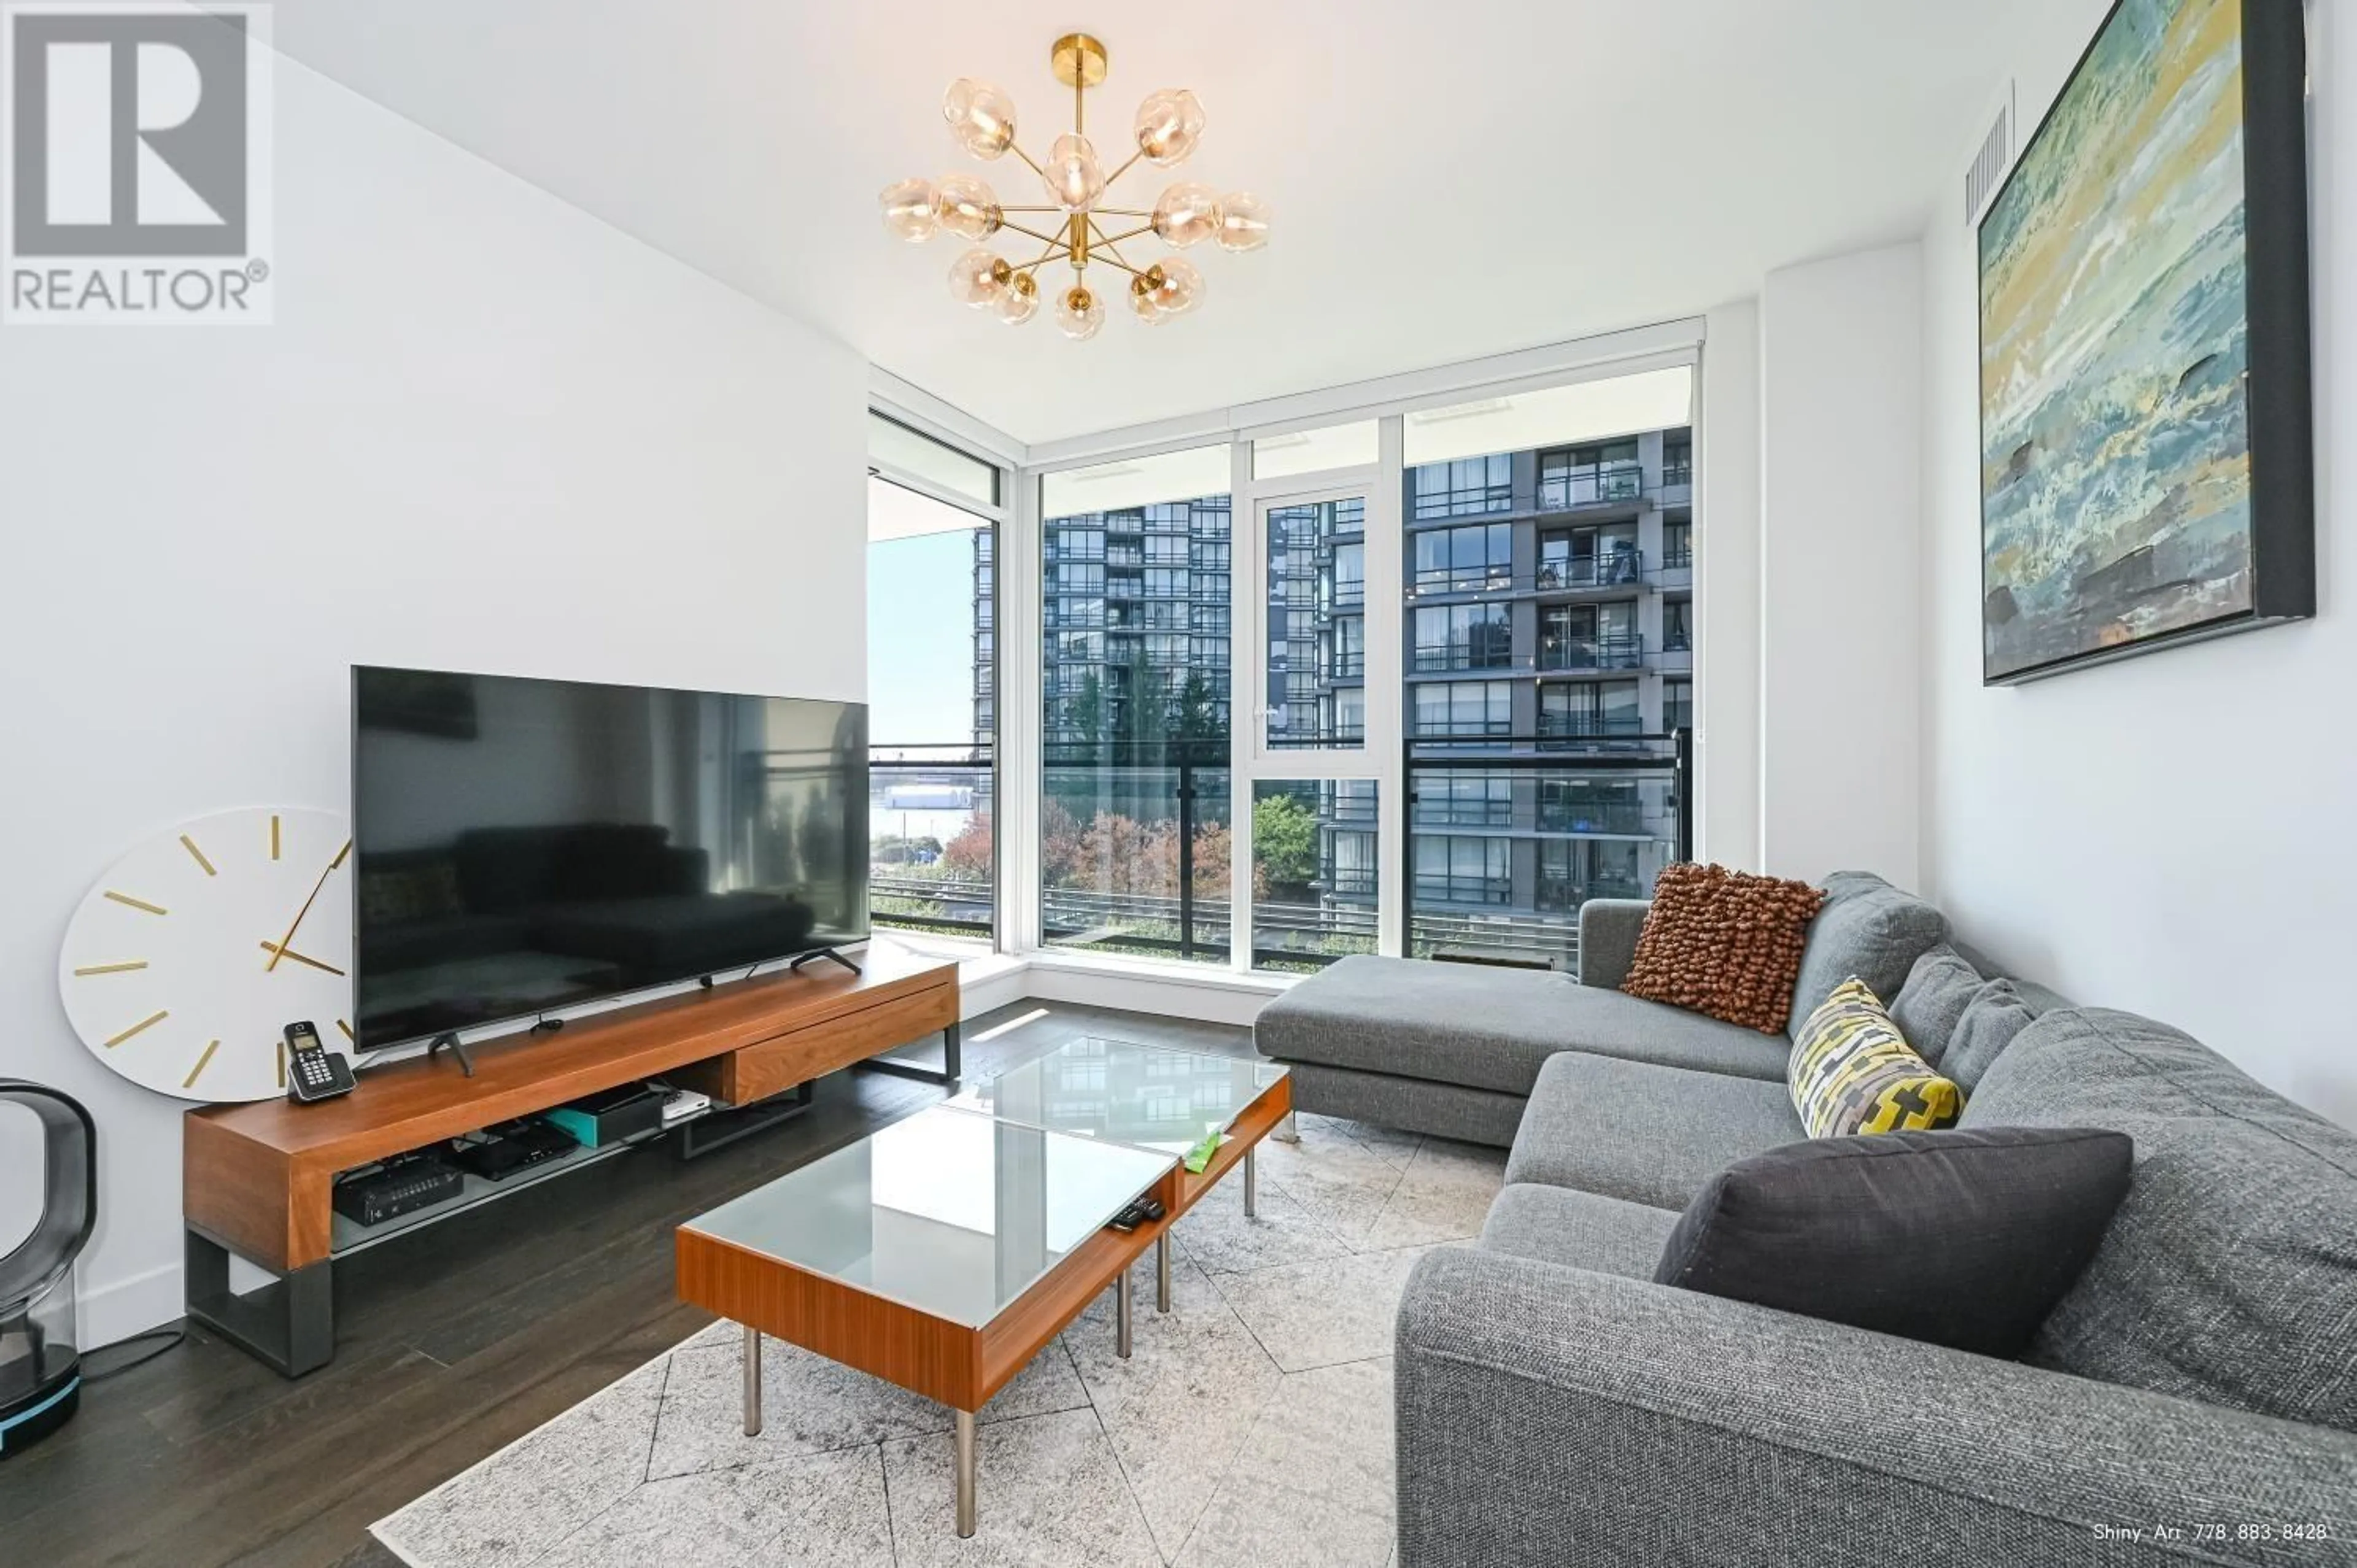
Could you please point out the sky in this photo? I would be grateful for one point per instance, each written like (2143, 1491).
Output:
(921, 640)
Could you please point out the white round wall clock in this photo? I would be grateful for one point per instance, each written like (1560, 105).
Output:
(183, 965)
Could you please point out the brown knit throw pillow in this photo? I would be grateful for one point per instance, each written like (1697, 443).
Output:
(1726, 944)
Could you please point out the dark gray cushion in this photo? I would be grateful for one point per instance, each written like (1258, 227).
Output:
(1996, 1013)
(1641, 1131)
(2229, 1274)
(1488, 1028)
(1962, 1239)
(1867, 928)
(1556, 1225)
(1928, 1005)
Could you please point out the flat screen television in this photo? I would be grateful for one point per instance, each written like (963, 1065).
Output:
(524, 845)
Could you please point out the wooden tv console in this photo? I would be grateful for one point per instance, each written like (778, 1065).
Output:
(257, 1178)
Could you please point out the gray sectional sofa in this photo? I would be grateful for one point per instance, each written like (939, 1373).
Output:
(2191, 1399)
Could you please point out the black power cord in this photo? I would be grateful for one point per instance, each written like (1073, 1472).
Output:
(171, 1338)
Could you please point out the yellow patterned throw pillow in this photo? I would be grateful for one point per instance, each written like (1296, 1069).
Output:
(1852, 1072)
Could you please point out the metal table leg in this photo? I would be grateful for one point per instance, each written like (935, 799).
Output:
(1120, 1316)
(1162, 1271)
(752, 1382)
(1251, 1182)
(1286, 1131)
(965, 1474)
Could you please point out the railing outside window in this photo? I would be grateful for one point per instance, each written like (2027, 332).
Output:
(1624, 652)
(1617, 817)
(932, 847)
(1614, 482)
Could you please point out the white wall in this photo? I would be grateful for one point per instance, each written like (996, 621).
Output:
(1841, 364)
(2173, 834)
(486, 432)
(1727, 590)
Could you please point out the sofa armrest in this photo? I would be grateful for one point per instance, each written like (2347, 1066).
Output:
(1608, 938)
(1549, 1415)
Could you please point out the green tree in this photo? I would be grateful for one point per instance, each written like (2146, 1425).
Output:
(1285, 842)
(1084, 710)
(1198, 718)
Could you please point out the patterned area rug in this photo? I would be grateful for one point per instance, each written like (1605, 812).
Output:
(1252, 1423)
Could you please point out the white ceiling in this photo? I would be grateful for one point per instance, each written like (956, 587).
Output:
(1449, 180)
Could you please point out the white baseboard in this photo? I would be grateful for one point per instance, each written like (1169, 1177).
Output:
(130, 1306)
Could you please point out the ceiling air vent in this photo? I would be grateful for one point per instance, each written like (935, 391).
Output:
(1996, 156)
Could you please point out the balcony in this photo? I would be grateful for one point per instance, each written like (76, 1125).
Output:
(1602, 819)
(930, 851)
(1449, 657)
(1576, 655)
(1344, 667)
(1444, 811)
(1674, 657)
(1584, 805)
(1676, 473)
(1614, 569)
(1497, 578)
(1558, 730)
(1617, 484)
(1056, 552)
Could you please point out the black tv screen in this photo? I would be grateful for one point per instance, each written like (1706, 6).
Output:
(524, 845)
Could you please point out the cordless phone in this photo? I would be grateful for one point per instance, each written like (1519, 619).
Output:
(313, 1071)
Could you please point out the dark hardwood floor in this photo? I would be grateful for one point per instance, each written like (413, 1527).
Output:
(451, 1343)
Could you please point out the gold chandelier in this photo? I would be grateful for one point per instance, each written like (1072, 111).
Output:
(1169, 122)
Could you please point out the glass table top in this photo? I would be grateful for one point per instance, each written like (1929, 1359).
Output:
(951, 1212)
(1151, 1096)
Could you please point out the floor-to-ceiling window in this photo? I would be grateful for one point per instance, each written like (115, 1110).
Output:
(1534, 581)
(1540, 533)
(932, 609)
(1135, 572)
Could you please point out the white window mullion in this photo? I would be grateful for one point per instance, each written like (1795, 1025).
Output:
(1020, 705)
(1387, 685)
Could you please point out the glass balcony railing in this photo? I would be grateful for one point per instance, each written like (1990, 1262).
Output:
(1435, 659)
(1677, 473)
(1619, 818)
(1492, 579)
(1557, 727)
(1612, 484)
(1562, 652)
(1134, 847)
(1483, 882)
(1612, 570)
(931, 852)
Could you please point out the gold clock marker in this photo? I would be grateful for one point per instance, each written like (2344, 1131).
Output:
(147, 1022)
(347, 1028)
(190, 1081)
(274, 835)
(136, 903)
(190, 845)
(123, 968)
(281, 1067)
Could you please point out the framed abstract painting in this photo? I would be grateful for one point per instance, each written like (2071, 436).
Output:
(2147, 461)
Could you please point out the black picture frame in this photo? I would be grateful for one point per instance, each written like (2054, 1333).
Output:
(2278, 381)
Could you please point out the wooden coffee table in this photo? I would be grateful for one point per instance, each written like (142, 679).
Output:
(944, 1252)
